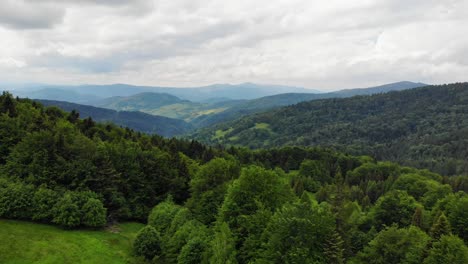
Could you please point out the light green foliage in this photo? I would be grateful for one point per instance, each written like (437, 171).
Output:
(44, 244)
(173, 245)
(94, 213)
(449, 249)
(147, 243)
(15, 200)
(162, 214)
(67, 212)
(423, 189)
(298, 233)
(222, 246)
(395, 246)
(249, 203)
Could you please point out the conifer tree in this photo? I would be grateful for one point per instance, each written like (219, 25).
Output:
(441, 227)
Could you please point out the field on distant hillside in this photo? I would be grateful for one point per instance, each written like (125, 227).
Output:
(25, 242)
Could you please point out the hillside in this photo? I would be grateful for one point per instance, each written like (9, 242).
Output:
(138, 121)
(139, 102)
(163, 104)
(423, 127)
(269, 102)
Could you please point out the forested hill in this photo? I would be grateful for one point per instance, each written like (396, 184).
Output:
(143, 122)
(210, 205)
(423, 127)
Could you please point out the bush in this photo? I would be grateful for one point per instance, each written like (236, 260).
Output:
(147, 243)
(94, 213)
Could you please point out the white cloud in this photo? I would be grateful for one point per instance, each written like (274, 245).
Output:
(318, 44)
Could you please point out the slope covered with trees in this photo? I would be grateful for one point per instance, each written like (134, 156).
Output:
(285, 99)
(424, 127)
(138, 121)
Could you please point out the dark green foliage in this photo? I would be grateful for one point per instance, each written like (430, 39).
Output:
(417, 219)
(208, 187)
(147, 243)
(192, 252)
(300, 233)
(333, 249)
(147, 123)
(441, 227)
(395, 207)
(449, 249)
(458, 218)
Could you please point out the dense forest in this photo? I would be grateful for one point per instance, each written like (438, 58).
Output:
(422, 127)
(234, 205)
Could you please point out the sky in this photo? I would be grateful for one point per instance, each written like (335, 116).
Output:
(324, 45)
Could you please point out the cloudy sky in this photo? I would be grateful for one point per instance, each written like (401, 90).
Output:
(315, 44)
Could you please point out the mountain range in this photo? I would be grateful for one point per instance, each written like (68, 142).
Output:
(210, 106)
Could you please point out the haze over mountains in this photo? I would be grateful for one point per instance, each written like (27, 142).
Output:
(202, 106)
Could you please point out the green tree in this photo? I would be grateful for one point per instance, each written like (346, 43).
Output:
(449, 249)
(441, 227)
(458, 217)
(209, 186)
(249, 203)
(316, 170)
(394, 207)
(417, 219)
(301, 233)
(395, 246)
(192, 252)
(147, 243)
(333, 249)
(162, 214)
(222, 246)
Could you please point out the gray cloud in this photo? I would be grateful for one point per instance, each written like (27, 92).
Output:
(22, 15)
(327, 45)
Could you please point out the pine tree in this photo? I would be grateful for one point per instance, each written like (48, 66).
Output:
(418, 218)
(440, 227)
(333, 249)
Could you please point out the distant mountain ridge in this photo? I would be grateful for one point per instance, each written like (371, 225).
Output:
(195, 94)
(138, 121)
(269, 102)
(205, 106)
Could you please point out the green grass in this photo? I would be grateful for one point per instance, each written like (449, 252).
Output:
(26, 242)
(262, 126)
(219, 134)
